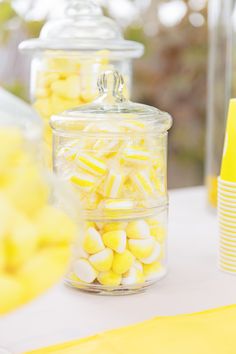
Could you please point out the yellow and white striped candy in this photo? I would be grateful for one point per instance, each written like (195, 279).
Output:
(84, 181)
(121, 204)
(143, 183)
(135, 154)
(102, 261)
(113, 184)
(133, 125)
(91, 164)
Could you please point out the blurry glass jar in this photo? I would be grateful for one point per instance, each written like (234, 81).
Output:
(69, 55)
(221, 85)
(34, 249)
(113, 152)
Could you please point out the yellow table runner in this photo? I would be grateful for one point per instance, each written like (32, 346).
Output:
(208, 332)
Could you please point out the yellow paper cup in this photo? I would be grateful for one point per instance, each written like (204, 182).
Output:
(221, 182)
(227, 269)
(228, 165)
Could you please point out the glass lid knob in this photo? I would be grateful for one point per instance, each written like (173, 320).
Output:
(76, 8)
(110, 85)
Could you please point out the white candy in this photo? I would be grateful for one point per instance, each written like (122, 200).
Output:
(84, 271)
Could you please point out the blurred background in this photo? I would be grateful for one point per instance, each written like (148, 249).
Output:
(171, 75)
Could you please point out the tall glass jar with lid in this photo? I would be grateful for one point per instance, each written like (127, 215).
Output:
(113, 152)
(69, 55)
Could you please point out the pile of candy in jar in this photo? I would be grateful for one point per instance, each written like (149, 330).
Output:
(121, 179)
(64, 81)
(34, 247)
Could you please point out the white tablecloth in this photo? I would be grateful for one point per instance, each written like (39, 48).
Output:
(193, 284)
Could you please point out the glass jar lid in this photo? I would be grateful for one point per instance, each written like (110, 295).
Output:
(111, 113)
(83, 28)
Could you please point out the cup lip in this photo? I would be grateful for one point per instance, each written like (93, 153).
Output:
(225, 182)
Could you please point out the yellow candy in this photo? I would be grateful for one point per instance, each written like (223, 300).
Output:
(93, 241)
(68, 88)
(55, 233)
(91, 164)
(113, 226)
(113, 184)
(135, 154)
(102, 261)
(45, 79)
(42, 92)
(122, 262)
(109, 278)
(12, 293)
(21, 243)
(156, 254)
(91, 201)
(28, 191)
(137, 229)
(44, 107)
(141, 248)
(59, 104)
(133, 276)
(157, 182)
(84, 181)
(43, 270)
(121, 204)
(143, 183)
(133, 125)
(151, 271)
(116, 240)
(84, 270)
(156, 230)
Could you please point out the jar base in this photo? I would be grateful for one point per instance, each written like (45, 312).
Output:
(114, 290)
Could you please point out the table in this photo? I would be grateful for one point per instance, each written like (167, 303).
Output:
(193, 284)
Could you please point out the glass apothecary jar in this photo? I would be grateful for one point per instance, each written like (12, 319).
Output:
(70, 54)
(113, 152)
(35, 250)
(221, 85)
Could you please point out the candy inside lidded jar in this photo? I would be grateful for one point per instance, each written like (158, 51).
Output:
(70, 54)
(113, 152)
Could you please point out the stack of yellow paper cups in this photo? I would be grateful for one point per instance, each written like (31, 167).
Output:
(227, 196)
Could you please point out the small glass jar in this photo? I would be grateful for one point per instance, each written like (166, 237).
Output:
(113, 152)
(70, 54)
